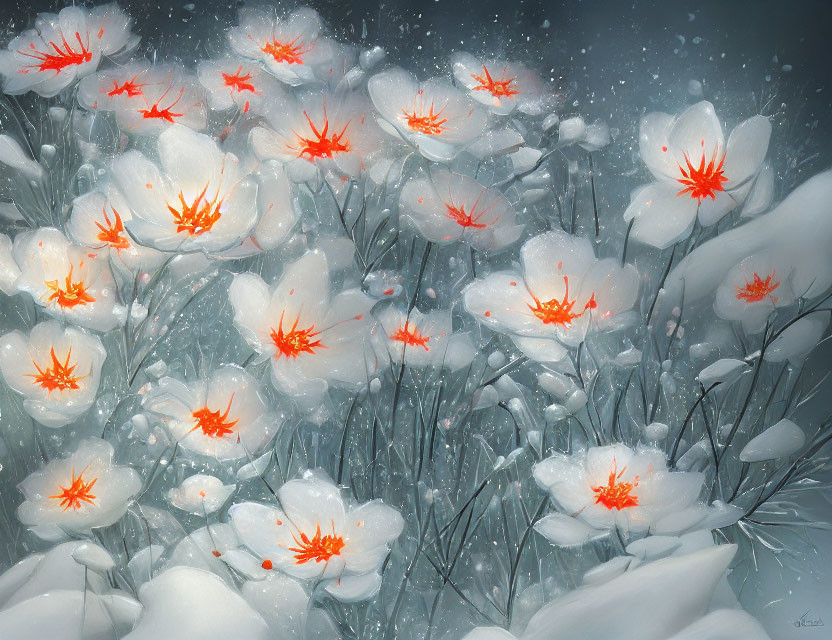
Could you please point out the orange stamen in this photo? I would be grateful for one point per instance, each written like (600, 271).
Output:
(164, 113)
(71, 295)
(61, 58)
(77, 492)
(429, 123)
(212, 423)
(498, 88)
(199, 216)
(112, 232)
(58, 376)
(411, 336)
(319, 548)
(321, 145)
(130, 88)
(458, 215)
(291, 53)
(560, 312)
(296, 341)
(616, 495)
(757, 289)
(238, 82)
(704, 181)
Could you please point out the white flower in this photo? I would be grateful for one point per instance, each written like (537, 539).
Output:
(563, 292)
(697, 173)
(313, 338)
(222, 416)
(315, 536)
(63, 47)
(200, 199)
(235, 81)
(450, 207)
(79, 492)
(292, 49)
(433, 116)
(615, 486)
(753, 289)
(146, 100)
(200, 494)
(97, 221)
(66, 279)
(500, 85)
(318, 130)
(423, 340)
(56, 369)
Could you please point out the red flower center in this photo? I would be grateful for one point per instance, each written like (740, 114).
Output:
(58, 375)
(157, 112)
(295, 341)
(213, 423)
(130, 88)
(498, 88)
(430, 123)
(237, 81)
(702, 181)
(199, 216)
(410, 335)
(318, 548)
(70, 295)
(290, 52)
(757, 289)
(556, 311)
(615, 494)
(112, 232)
(77, 492)
(59, 57)
(321, 144)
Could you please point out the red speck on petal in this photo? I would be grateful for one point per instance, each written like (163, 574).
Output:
(664, 149)
(487, 314)
(388, 292)
(216, 553)
(267, 564)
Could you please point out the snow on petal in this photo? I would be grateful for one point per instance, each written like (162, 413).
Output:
(650, 602)
(187, 602)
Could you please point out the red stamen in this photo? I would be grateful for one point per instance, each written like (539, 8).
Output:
(212, 423)
(165, 113)
(291, 52)
(58, 376)
(71, 295)
(704, 181)
(498, 88)
(320, 145)
(616, 495)
(556, 311)
(130, 88)
(112, 232)
(319, 548)
(199, 216)
(238, 82)
(411, 336)
(296, 341)
(61, 58)
(758, 289)
(77, 492)
(429, 123)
